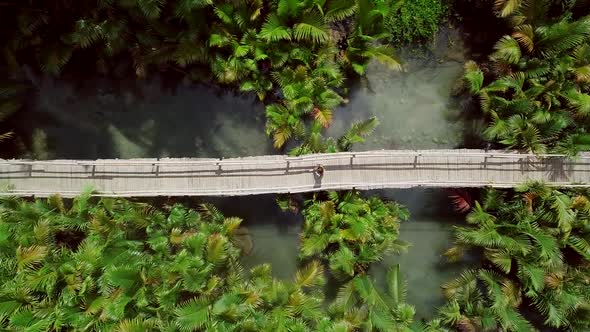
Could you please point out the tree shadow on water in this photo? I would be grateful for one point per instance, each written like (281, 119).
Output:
(100, 118)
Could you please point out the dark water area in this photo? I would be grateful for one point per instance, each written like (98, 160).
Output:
(103, 118)
(479, 24)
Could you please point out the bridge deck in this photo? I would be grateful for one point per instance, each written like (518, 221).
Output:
(281, 174)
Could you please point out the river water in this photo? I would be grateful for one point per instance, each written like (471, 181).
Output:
(100, 118)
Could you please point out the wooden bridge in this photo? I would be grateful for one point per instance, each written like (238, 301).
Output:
(282, 174)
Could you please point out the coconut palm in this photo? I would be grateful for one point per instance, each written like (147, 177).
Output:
(284, 49)
(306, 91)
(111, 264)
(536, 250)
(351, 232)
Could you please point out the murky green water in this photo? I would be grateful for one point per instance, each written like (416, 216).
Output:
(414, 107)
(107, 119)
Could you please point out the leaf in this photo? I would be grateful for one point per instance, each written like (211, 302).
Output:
(525, 35)
(501, 258)
(151, 8)
(508, 50)
(507, 7)
(273, 30)
(288, 7)
(192, 315)
(385, 55)
(312, 28)
(314, 244)
(475, 80)
(29, 256)
(343, 260)
(135, 325)
(310, 276)
(339, 10)
(216, 249)
(323, 116)
(231, 224)
(125, 277)
(395, 285)
(582, 74)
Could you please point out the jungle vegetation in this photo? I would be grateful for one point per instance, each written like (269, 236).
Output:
(414, 21)
(115, 265)
(295, 55)
(535, 264)
(106, 264)
(351, 232)
(535, 88)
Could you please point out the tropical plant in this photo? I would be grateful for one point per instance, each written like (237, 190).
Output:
(114, 265)
(98, 265)
(284, 49)
(540, 101)
(375, 310)
(536, 250)
(351, 232)
(414, 21)
(314, 142)
(365, 40)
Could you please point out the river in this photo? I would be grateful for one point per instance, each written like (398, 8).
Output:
(100, 118)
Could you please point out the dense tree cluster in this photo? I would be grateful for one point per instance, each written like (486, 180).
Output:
(536, 258)
(351, 232)
(536, 89)
(293, 54)
(114, 265)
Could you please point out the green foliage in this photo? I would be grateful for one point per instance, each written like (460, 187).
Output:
(351, 232)
(540, 98)
(314, 142)
(411, 21)
(284, 49)
(535, 247)
(375, 310)
(114, 265)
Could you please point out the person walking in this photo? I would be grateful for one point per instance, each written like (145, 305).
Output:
(319, 171)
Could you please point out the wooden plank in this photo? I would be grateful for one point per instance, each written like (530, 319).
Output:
(281, 174)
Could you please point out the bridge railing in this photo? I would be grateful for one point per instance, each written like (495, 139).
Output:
(274, 159)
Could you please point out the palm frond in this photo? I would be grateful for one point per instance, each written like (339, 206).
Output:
(312, 28)
(273, 30)
(310, 276)
(507, 7)
(339, 10)
(192, 315)
(507, 49)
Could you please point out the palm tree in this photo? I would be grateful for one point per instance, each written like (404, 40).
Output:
(540, 101)
(374, 310)
(91, 264)
(351, 232)
(314, 142)
(536, 249)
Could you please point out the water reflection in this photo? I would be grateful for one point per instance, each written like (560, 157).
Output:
(108, 119)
